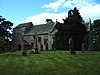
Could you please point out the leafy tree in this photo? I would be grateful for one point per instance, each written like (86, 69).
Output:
(7, 27)
(2, 44)
(49, 20)
(1, 27)
(5, 30)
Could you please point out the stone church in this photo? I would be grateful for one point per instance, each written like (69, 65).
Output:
(27, 36)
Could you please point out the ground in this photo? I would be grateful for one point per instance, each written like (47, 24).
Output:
(50, 63)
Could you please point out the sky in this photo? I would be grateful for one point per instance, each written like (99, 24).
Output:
(37, 11)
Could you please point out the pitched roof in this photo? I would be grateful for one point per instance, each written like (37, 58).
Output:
(40, 29)
(25, 42)
(23, 25)
(22, 41)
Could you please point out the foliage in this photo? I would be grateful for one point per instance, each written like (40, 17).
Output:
(98, 40)
(3, 45)
(49, 20)
(96, 24)
(96, 33)
(50, 63)
(5, 27)
(73, 27)
(2, 41)
(74, 23)
(1, 27)
(5, 32)
(24, 53)
(61, 40)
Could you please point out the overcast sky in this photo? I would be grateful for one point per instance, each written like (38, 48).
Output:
(36, 11)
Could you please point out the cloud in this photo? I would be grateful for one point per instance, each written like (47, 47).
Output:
(90, 11)
(68, 4)
(76, 3)
(54, 5)
(87, 8)
(41, 18)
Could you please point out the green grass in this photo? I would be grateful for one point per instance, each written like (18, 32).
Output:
(50, 63)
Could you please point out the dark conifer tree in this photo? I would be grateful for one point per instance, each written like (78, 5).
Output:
(74, 29)
(96, 34)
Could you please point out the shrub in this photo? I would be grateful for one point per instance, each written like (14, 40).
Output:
(2, 44)
(34, 51)
(24, 53)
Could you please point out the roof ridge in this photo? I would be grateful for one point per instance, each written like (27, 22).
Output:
(26, 23)
(40, 25)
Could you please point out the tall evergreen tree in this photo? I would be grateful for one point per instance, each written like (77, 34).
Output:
(76, 29)
(72, 30)
(96, 34)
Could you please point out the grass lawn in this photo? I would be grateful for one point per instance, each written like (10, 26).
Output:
(50, 63)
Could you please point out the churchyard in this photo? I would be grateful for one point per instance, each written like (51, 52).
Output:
(50, 63)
